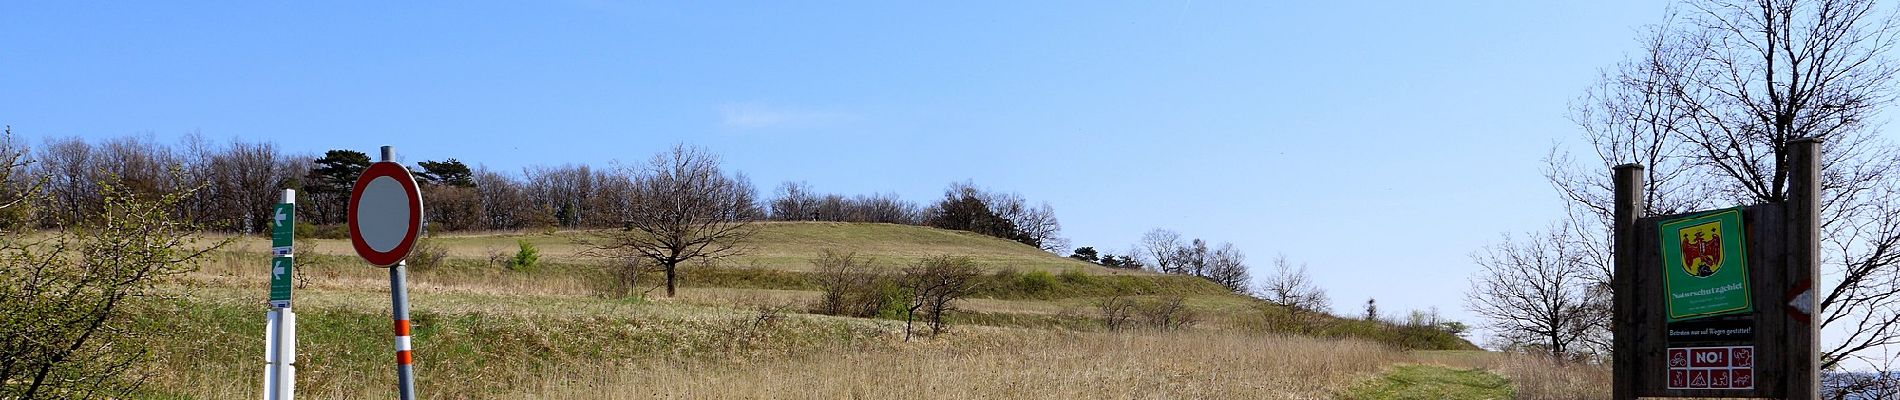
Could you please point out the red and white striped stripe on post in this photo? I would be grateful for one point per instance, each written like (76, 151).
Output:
(402, 342)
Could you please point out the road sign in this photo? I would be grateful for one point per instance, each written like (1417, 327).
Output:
(1705, 265)
(385, 213)
(284, 219)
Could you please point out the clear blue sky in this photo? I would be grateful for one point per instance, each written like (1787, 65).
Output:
(1381, 143)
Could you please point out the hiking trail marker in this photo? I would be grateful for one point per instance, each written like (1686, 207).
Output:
(385, 221)
(280, 324)
(1716, 303)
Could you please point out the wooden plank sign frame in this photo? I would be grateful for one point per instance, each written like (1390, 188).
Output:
(1766, 350)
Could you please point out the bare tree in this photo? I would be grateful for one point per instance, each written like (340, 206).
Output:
(1534, 292)
(1040, 226)
(72, 189)
(842, 280)
(503, 206)
(1227, 266)
(936, 284)
(795, 202)
(683, 209)
(1293, 289)
(1160, 248)
(1710, 107)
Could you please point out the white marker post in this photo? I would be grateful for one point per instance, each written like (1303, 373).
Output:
(280, 331)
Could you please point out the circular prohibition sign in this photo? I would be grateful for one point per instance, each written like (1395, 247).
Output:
(385, 214)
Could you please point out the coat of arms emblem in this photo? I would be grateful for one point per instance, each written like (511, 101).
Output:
(1702, 249)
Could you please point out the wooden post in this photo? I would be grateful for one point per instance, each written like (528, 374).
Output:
(1628, 181)
(1802, 342)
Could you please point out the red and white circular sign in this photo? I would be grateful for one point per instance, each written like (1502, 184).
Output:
(385, 214)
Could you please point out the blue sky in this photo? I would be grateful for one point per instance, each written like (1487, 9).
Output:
(1380, 142)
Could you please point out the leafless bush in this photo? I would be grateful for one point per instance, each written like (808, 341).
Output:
(304, 258)
(427, 254)
(936, 284)
(1116, 312)
(842, 282)
(1169, 313)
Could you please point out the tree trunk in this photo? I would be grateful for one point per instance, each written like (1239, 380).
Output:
(671, 281)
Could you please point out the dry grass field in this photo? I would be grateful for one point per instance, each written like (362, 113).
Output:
(741, 331)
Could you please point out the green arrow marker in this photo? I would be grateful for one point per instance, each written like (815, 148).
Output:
(283, 223)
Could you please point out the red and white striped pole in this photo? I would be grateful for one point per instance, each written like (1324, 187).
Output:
(399, 297)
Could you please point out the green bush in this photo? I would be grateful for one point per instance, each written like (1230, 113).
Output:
(1075, 276)
(427, 254)
(306, 230)
(1036, 282)
(1006, 275)
(527, 258)
(892, 299)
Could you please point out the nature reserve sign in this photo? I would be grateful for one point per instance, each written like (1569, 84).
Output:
(1714, 303)
(1705, 265)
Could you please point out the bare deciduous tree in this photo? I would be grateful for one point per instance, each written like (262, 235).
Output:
(1293, 289)
(1710, 107)
(795, 202)
(1227, 266)
(1160, 247)
(1534, 292)
(936, 284)
(683, 209)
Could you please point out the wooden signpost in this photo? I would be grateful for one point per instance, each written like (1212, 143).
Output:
(1716, 303)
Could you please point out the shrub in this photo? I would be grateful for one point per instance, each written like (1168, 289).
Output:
(427, 254)
(69, 304)
(1116, 312)
(841, 279)
(526, 258)
(1169, 313)
(935, 285)
(1036, 282)
(1075, 276)
(889, 299)
(850, 287)
(306, 230)
(1006, 276)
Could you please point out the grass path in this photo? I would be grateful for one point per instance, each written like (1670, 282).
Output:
(1416, 381)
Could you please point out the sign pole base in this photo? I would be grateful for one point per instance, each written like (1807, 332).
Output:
(399, 301)
(280, 354)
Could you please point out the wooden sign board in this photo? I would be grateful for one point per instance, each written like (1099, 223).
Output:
(1705, 300)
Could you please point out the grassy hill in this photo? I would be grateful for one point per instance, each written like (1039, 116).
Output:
(559, 330)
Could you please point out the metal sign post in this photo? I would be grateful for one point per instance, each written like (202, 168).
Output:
(385, 219)
(280, 331)
(399, 300)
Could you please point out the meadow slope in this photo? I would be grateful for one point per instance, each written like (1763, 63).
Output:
(740, 328)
